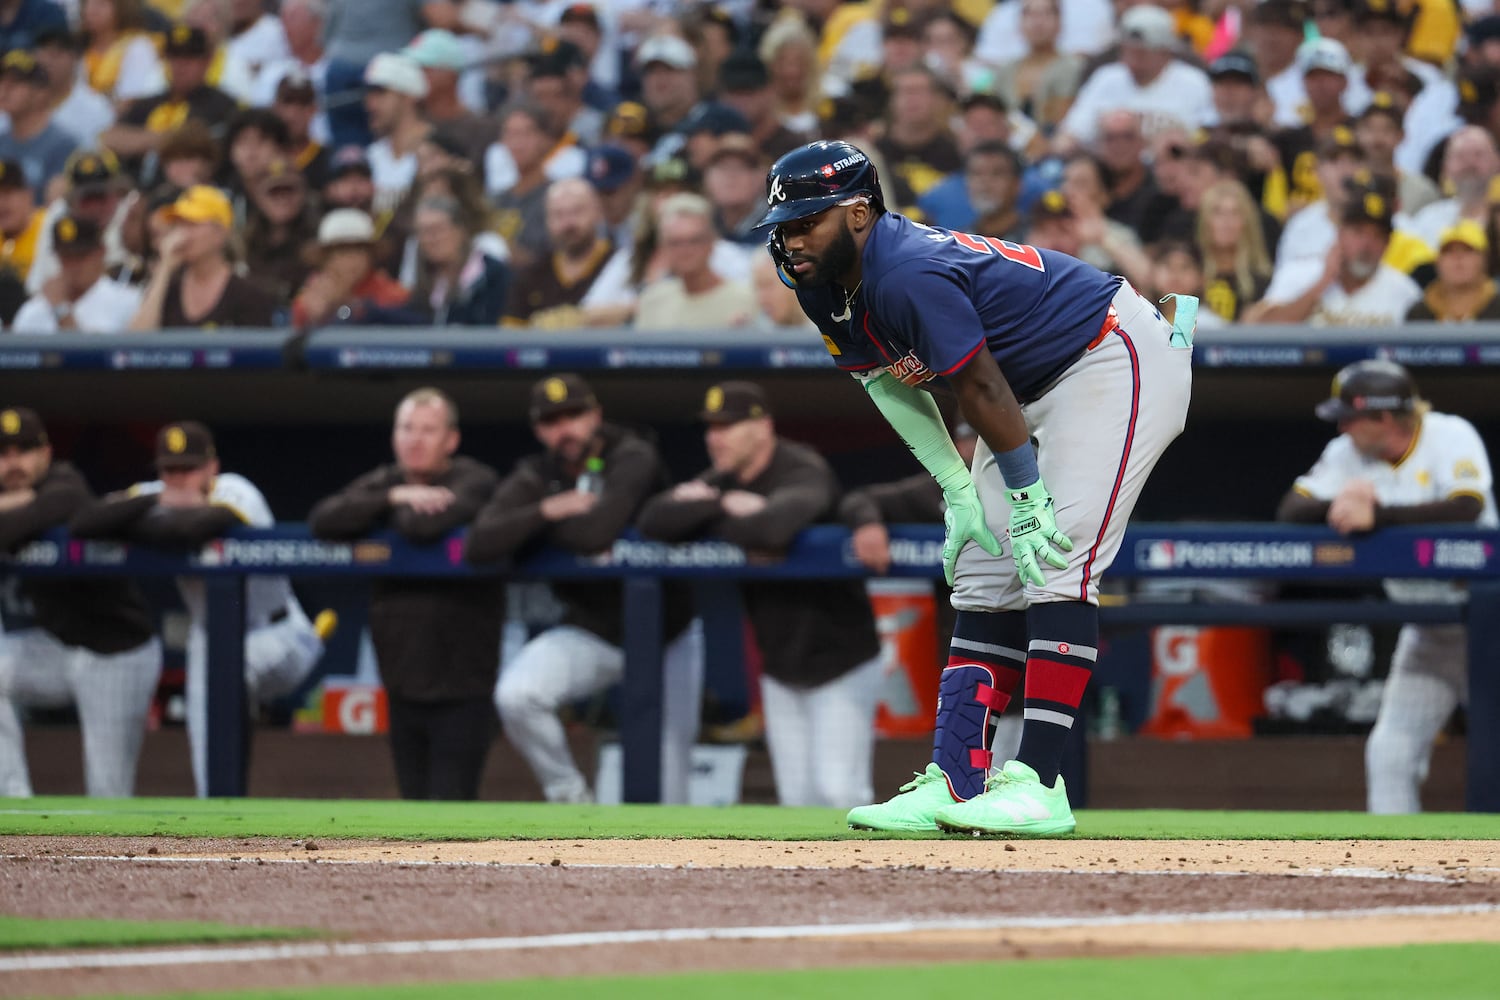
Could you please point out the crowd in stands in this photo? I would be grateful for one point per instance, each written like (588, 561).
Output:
(253, 163)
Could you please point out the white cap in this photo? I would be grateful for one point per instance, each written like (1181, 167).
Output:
(1327, 54)
(437, 48)
(1153, 27)
(344, 226)
(669, 49)
(396, 73)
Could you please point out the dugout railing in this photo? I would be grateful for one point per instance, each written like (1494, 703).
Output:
(1179, 551)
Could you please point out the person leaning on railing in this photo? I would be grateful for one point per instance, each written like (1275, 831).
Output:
(579, 494)
(821, 655)
(91, 642)
(436, 642)
(191, 503)
(1396, 461)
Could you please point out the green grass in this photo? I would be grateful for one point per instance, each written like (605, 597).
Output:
(381, 819)
(30, 932)
(1450, 972)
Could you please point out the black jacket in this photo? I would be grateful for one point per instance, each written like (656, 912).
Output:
(103, 615)
(512, 522)
(810, 631)
(435, 640)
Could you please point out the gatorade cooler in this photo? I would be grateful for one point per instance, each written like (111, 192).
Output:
(1207, 683)
(906, 618)
(354, 708)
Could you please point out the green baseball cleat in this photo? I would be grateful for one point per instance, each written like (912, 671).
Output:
(911, 810)
(1014, 802)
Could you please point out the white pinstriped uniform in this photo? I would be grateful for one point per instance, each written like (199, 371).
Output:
(1429, 669)
(279, 654)
(111, 692)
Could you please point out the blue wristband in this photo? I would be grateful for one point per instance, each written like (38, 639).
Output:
(1018, 466)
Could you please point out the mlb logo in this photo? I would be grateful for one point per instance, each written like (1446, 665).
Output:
(828, 170)
(1156, 555)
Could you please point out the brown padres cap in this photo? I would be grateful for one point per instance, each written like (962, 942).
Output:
(20, 427)
(561, 393)
(186, 444)
(75, 236)
(731, 402)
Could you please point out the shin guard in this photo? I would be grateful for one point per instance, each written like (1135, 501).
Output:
(960, 745)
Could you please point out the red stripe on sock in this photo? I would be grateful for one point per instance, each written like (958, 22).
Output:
(1053, 681)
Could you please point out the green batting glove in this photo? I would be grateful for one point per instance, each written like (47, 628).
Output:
(1033, 532)
(963, 522)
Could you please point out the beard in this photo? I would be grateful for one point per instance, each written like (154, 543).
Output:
(1361, 270)
(840, 256)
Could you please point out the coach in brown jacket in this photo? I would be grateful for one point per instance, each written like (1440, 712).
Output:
(822, 667)
(579, 493)
(437, 642)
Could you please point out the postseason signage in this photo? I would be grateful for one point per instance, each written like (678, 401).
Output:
(1230, 550)
(824, 551)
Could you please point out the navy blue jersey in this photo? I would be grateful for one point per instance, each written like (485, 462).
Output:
(931, 299)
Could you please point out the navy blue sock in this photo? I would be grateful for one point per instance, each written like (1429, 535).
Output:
(1060, 657)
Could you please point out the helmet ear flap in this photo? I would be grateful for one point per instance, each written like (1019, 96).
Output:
(776, 246)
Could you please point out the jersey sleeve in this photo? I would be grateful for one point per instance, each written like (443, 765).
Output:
(1465, 466)
(1333, 469)
(931, 306)
(241, 496)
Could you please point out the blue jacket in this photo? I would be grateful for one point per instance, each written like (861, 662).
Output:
(480, 303)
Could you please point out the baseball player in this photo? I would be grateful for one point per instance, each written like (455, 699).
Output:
(94, 644)
(1035, 345)
(579, 493)
(192, 503)
(1396, 461)
(820, 653)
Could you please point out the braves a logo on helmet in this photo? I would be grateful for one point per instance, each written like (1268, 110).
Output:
(776, 194)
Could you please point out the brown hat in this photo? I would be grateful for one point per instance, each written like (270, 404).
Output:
(561, 393)
(186, 41)
(12, 177)
(1369, 203)
(631, 120)
(20, 427)
(90, 170)
(75, 236)
(731, 402)
(186, 444)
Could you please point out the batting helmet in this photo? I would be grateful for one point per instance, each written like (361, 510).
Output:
(1369, 387)
(816, 177)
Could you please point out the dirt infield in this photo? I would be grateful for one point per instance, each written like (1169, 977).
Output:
(412, 912)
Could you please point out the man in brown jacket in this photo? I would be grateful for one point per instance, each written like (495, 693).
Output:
(91, 643)
(579, 493)
(822, 668)
(436, 642)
